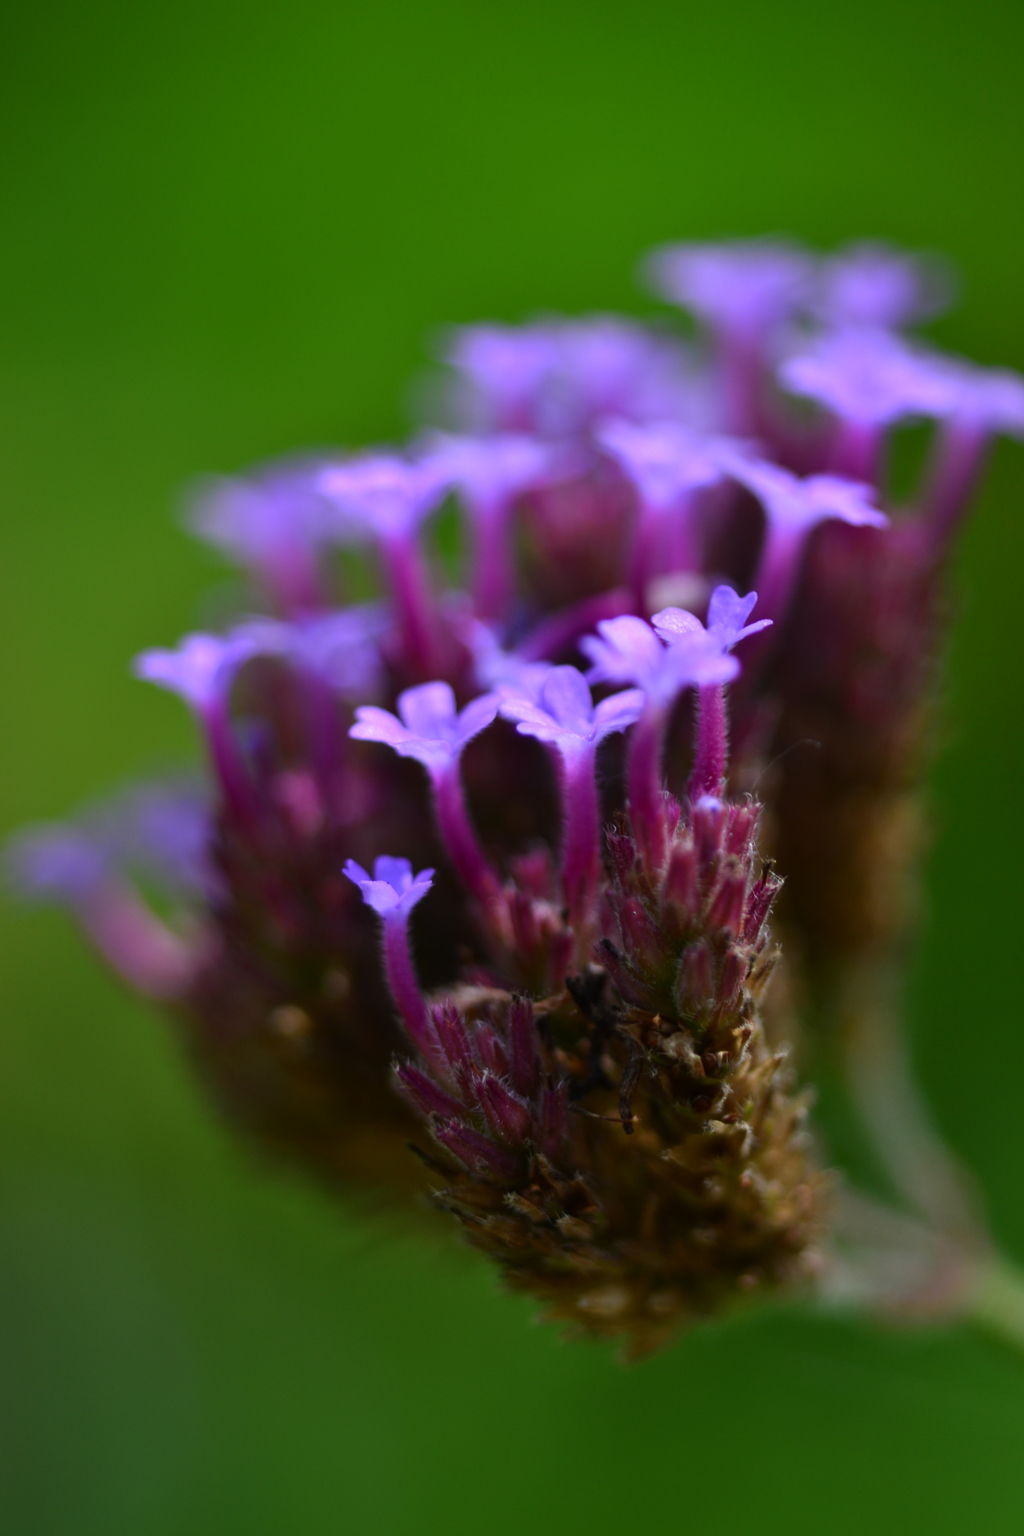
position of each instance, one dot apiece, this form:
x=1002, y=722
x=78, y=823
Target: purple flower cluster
x=562, y=746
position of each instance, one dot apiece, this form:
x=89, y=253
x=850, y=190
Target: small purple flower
x=497, y=668
x=56, y=862
x=342, y=647
x=795, y=505
x=869, y=377
x=667, y=465
x=491, y=473
x=392, y=890
x=388, y=498
x=747, y=284
x=991, y=399
x=504, y=368
x=491, y=469
x=564, y=714
x=275, y=522
x=163, y=829
x=68, y=864
x=627, y=649
x=202, y=667
x=565, y=717
x=429, y=728
x=726, y=624
x=982, y=402
x=792, y=507
x=873, y=285
x=611, y=367
x=434, y=733
x=384, y=495
x=664, y=459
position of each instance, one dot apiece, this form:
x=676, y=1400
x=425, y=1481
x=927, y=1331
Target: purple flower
x=275, y=522
x=69, y=864
x=491, y=473
x=627, y=649
x=497, y=668
x=56, y=862
x=493, y=469
x=202, y=668
x=664, y=459
x=383, y=494
x=990, y=399
x=611, y=367
x=163, y=830
x=504, y=368
x=873, y=285
x=434, y=733
x=392, y=890
x=794, y=505
x=746, y=284
x=557, y=377
x=429, y=728
x=565, y=715
x=727, y=619
x=342, y=647
x=869, y=377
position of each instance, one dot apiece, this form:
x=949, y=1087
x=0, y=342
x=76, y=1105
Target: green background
x=228, y=230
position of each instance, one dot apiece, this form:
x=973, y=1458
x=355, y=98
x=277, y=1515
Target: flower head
x=275, y=522
x=202, y=668
x=664, y=459
x=504, y=368
x=746, y=284
x=794, y=504
x=869, y=376
x=494, y=469
x=56, y=862
x=382, y=494
x=990, y=399
x=392, y=890
x=565, y=715
x=428, y=726
x=873, y=285
x=727, y=620
x=627, y=649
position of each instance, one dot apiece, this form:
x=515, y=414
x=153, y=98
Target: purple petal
x=197, y=670
x=55, y=862
x=618, y=713
x=373, y=724
x=476, y=717
x=870, y=377
x=393, y=890
x=566, y=697
x=386, y=495
x=676, y=624
x=429, y=711
x=662, y=458
x=492, y=469
x=747, y=283
x=498, y=668
x=873, y=285
x=795, y=504
x=627, y=651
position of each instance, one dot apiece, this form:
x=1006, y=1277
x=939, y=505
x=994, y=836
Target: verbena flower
x=562, y=1013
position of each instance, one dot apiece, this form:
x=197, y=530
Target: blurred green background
x=228, y=230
